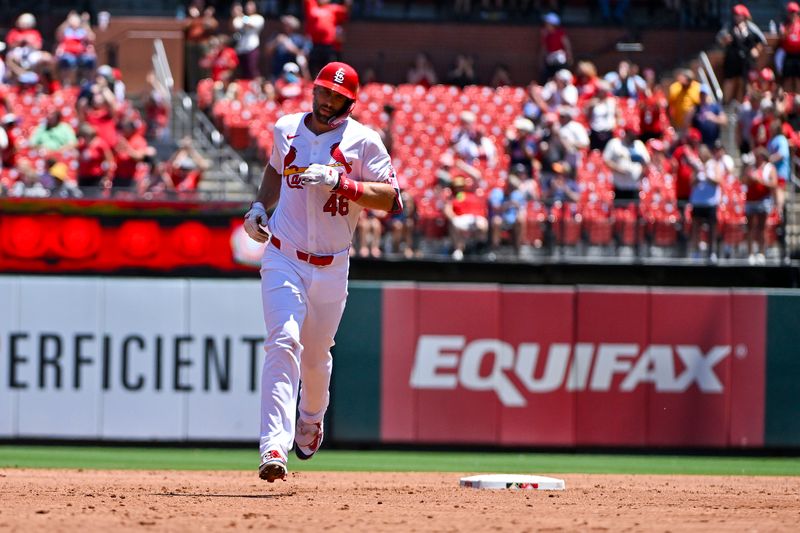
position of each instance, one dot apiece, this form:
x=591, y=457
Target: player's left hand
x=317, y=174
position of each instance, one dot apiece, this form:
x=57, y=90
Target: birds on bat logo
x=292, y=172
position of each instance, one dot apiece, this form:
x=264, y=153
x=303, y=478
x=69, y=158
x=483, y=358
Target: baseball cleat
x=273, y=466
x=307, y=439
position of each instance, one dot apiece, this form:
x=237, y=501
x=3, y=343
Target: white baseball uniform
x=303, y=302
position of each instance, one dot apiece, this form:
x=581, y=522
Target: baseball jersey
x=311, y=217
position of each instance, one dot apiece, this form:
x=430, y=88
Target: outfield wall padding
x=473, y=364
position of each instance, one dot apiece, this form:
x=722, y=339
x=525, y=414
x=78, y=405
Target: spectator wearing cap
x=130, y=150
x=520, y=144
x=469, y=142
x=289, y=86
x=24, y=56
x=653, y=118
x=467, y=213
x=248, y=23
x=95, y=161
x=556, y=48
x=790, y=45
x=184, y=170
x=507, y=212
x=98, y=107
x=561, y=186
x=288, y=46
x=54, y=134
x=627, y=157
x=570, y=137
x=625, y=82
x=708, y=117
x=762, y=123
x=602, y=114
x=704, y=199
x=556, y=92
x=743, y=41
x=687, y=163
x=683, y=97
x=422, y=72
x=760, y=178
x=75, y=53
x=322, y=20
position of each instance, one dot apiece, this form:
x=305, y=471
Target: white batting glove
x=254, y=220
x=317, y=174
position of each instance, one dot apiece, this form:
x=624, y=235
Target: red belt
x=311, y=259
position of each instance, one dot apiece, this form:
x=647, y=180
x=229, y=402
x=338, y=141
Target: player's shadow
x=252, y=496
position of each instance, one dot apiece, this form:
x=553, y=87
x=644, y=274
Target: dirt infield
x=72, y=500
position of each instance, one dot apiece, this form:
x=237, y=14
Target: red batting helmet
x=793, y=7
x=339, y=77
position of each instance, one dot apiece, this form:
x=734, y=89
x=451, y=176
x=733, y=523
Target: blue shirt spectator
x=779, y=155
x=708, y=117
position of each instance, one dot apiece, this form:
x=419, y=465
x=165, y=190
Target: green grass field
x=147, y=458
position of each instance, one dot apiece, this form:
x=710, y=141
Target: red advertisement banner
x=566, y=367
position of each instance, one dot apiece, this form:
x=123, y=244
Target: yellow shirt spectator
x=684, y=96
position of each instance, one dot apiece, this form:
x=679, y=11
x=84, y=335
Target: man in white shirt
x=324, y=169
x=571, y=135
x=248, y=25
x=627, y=158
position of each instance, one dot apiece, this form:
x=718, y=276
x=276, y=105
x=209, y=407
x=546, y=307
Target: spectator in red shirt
x=99, y=108
x=759, y=131
x=130, y=150
x=184, y=170
x=653, y=117
x=467, y=213
x=790, y=43
x=221, y=60
x=322, y=19
x=556, y=49
x=75, y=51
x=761, y=179
x=586, y=80
x=687, y=162
x=24, y=44
x=95, y=160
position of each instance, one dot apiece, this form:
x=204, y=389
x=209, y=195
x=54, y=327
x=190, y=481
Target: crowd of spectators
x=68, y=127
x=625, y=161
x=622, y=161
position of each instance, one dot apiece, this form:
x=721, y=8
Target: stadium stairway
x=230, y=177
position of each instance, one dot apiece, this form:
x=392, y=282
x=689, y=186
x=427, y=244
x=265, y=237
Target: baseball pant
x=303, y=305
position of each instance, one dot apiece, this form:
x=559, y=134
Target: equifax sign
x=448, y=361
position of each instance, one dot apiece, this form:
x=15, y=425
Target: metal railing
x=707, y=76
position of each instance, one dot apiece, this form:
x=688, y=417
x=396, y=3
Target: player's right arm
x=255, y=220
x=270, y=189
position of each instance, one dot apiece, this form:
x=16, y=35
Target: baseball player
x=324, y=169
